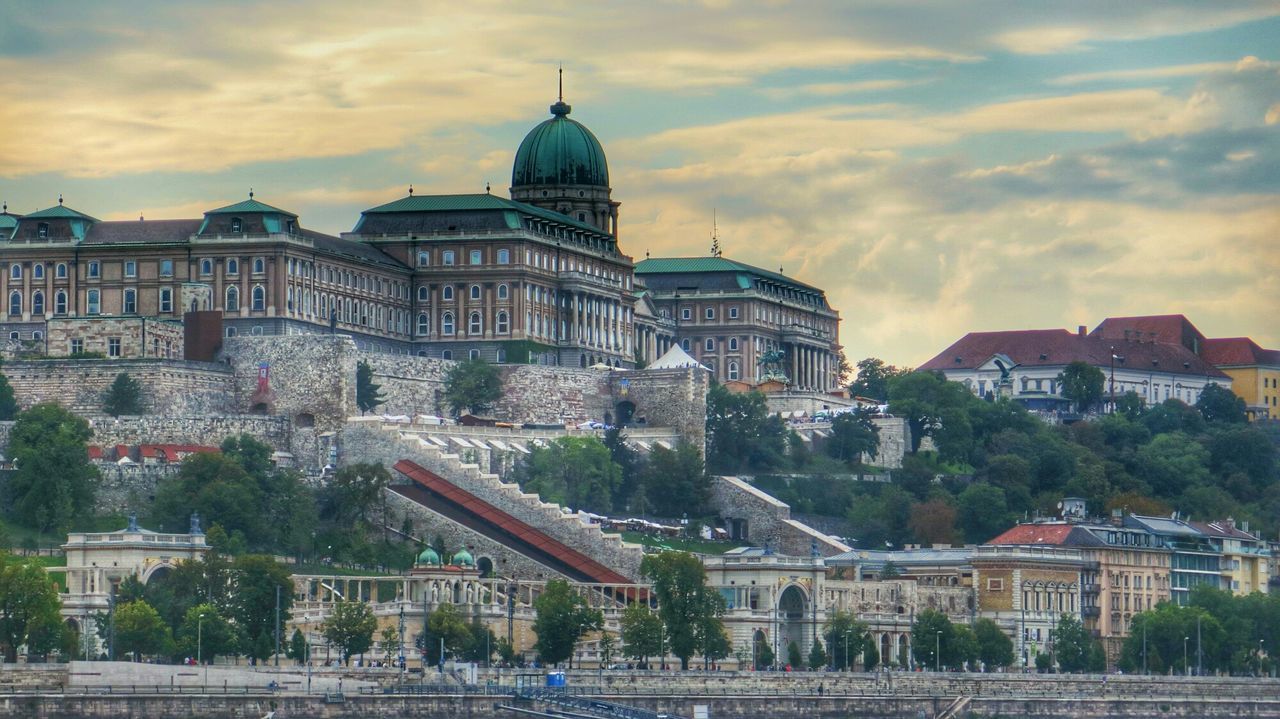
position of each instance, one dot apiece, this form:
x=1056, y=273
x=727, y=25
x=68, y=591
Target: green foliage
x=995, y=648
x=576, y=472
x=29, y=604
x=368, y=395
x=562, y=617
x=873, y=379
x=931, y=633
x=846, y=637
x=741, y=434
x=474, y=385
x=929, y=403
x=353, y=492
x=1171, y=640
x=764, y=654
x=205, y=633
x=983, y=512
x=124, y=396
x=54, y=482
x=1218, y=404
x=852, y=435
x=349, y=627
x=1071, y=644
x=964, y=649
x=690, y=609
x=795, y=659
x=297, y=649
x=139, y=630
x=1044, y=663
x=1082, y=383
x=677, y=481
x=642, y=633
x=881, y=520
x=8, y=404
x=446, y=622
x=253, y=601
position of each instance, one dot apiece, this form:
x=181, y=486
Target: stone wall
x=666, y=398
x=761, y=519
x=136, y=337
x=553, y=395
x=312, y=378
x=411, y=385
x=169, y=387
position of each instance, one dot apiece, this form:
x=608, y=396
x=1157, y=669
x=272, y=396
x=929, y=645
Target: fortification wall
x=169, y=387
x=312, y=378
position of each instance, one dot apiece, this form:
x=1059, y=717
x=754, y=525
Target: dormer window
x=237, y=225
x=42, y=230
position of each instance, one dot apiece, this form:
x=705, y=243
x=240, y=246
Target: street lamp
x=200, y=646
x=937, y=651
x=848, y=665
x=1185, y=669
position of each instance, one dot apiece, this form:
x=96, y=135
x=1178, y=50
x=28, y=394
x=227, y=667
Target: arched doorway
x=792, y=610
x=485, y=565
x=624, y=411
x=759, y=642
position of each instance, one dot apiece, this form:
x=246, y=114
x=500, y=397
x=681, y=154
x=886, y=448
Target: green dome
x=560, y=151
x=462, y=558
x=429, y=557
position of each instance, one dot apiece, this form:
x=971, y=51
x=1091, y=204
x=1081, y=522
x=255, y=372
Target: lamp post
x=1185, y=669
x=1199, y=652
x=937, y=651
x=662, y=646
x=1260, y=657
x=848, y=665
x=200, y=647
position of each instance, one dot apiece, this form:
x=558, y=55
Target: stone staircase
x=371, y=439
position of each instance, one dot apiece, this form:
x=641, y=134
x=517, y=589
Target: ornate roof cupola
x=54, y=224
x=249, y=217
x=561, y=166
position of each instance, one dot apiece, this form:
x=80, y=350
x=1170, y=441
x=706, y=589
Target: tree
x=607, y=647
x=963, y=650
x=353, y=492
x=846, y=638
x=817, y=657
x=933, y=522
x=139, y=630
x=853, y=434
x=1173, y=462
x=873, y=379
x=205, y=633
x=1071, y=644
x=368, y=395
x=390, y=640
x=1130, y=405
x=983, y=512
x=473, y=384
x=350, y=627
x=561, y=618
x=741, y=434
x=689, y=608
x=28, y=601
x=124, y=396
x=258, y=580
x=53, y=482
x=8, y=404
x=795, y=659
x=298, y=650
x=1220, y=405
x=763, y=652
x=677, y=481
x=995, y=648
x=642, y=633
x=575, y=472
x=931, y=633
x=446, y=623
x=925, y=400
x=1082, y=383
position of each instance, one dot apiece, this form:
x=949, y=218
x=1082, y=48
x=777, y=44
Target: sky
x=937, y=167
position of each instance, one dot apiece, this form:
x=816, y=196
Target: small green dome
x=560, y=151
x=429, y=557
x=462, y=558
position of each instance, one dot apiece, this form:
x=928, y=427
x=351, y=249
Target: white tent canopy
x=676, y=358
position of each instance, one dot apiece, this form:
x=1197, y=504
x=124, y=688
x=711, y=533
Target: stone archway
x=623, y=412
x=793, y=609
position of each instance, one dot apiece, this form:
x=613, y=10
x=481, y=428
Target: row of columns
x=600, y=322
x=810, y=368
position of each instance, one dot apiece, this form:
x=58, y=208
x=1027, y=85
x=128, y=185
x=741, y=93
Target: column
x=573, y=325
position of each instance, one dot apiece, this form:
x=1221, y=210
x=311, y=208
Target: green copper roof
x=560, y=151
x=462, y=558
x=60, y=212
x=689, y=265
x=477, y=203
x=248, y=206
x=7, y=221
x=429, y=557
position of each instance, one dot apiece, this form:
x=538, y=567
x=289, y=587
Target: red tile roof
x=1061, y=535
x=1051, y=348
x=1237, y=352
x=1164, y=329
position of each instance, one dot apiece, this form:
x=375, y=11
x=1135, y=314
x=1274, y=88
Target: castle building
x=539, y=277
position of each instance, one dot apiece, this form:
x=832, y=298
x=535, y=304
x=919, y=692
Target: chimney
x=1117, y=517
x=1080, y=330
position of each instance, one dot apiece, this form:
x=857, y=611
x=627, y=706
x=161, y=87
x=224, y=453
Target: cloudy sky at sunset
x=938, y=167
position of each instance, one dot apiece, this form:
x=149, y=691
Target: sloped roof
x=1161, y=525
x=59, y=212
x=349, y=248
x=1237, y=352
x=1052, y=348
x=248, y=206
x=675, y=358
x=1053, y=535
x=1167, y=329
x=1223, y=528
x=693, y=265
x=473, y=203
x=141, y=231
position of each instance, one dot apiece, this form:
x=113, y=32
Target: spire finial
x=410, y=189
x=250, y=193
x=6, y=207
x=560, y=108
x=560, y=96
x=59, y=199
x=715, y=235
x=486, y=187
x=140, y=217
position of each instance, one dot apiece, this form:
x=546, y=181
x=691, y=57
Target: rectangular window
x=995, y=585
x=711, y=313
x=686, y=314
x=77, y=346
x=733, y=313
x=113, y=346
x=166, y=268
x=476, y=257
x=130, y=268
x=95, y=270
x=447, y=257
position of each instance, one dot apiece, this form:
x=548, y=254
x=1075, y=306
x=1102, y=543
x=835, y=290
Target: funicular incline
x=458, y=505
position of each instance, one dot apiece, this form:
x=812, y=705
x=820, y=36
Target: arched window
x=475, y=325
x=446, y=355
x=130, y=301
x=259, y=265
x=504, y=292
x=237, y=225
x=424, y=324
x=37, y=303
x=166, y=300
x=504, y=257
x=710, y=345
x=37, y=272
x=733, y=344
x=288, y=293
x=685, y=345
x=475, y=292
x=15, y=303
x=424, y=258
x=476, y=257
x=60, y=271
x=233, y=298
x=206, y=267
x=504, y=323
x=15, y=271
x=60, y=303
x=259, y=298
x=93, y=302
x=447, y=292
x=473, y=354
x=446, y=323
x=733, y=370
